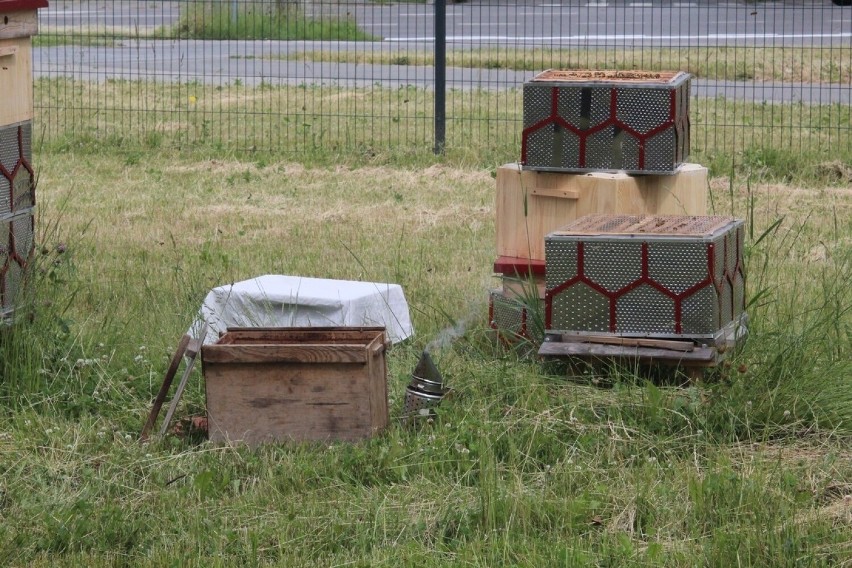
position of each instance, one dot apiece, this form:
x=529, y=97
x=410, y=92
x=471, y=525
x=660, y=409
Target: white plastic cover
x=296, y=301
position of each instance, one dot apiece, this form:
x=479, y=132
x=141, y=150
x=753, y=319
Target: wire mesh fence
x=355, y=76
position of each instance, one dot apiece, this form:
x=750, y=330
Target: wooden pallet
x=692, y=359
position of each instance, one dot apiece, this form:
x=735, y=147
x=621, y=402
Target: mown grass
x=53, y=38
x=787, y=64
x=373, y=124
x=260, y=20
x=528, y=464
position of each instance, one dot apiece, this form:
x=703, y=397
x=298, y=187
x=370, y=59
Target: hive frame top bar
x=645, y=226
x=579, y=77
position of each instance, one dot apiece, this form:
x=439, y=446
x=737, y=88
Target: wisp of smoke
x=447, y=335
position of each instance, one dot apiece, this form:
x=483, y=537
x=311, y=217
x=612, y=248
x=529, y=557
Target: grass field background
x=528, y=464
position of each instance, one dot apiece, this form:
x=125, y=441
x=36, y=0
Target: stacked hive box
x=649, y=276
x=593, y=142
x=18, y=22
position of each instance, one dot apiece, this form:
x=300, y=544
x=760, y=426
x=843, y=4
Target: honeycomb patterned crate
x=17, y=200
x=619, y=121
x=646, y=276
x=16, y=245
x=17, y=180
x=512, y=318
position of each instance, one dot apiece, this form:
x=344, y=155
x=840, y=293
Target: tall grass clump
x=261, y=20
x=37, y=335
x=795, y=373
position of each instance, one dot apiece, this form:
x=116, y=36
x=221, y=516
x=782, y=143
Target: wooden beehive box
x=301, y=384
x=531, y=204
x=18, y=23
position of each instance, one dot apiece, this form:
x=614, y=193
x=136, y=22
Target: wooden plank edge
x=303, y=353
x=701, y=356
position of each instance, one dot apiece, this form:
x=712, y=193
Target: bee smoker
x=425, y=391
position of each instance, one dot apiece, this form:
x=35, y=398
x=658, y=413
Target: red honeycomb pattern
x=727, y=278
x=10, y=251
x=555, y=119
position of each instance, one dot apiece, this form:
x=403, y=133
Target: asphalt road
x=408, y=26
x=657, y=22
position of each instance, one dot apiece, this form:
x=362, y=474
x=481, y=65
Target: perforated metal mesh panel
x=27, y=141
x=719, y=258
x=9, y=154
x=23, y=191
x=541, y=141
x=645, y=310
x=602, y=256
x=581, y=308
x=629, y=154
x=569, y=103
x=22, y=229
x=5, y=196
x=643, y=109
x=9, y=150
x=679, y=265
x=510, y=316
x=16, y=181
x=700, y=312
x=598, y=151
x=561, y=261
x=537, y=104
x=17, y=198
x=646, y=275
x=658, y=154
x=5, y=244
x=621, y=122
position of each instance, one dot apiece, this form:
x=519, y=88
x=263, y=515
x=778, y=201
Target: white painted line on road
x=487, y=24
x=536, y=11
x=597, y=5
x=619, y=37
x=49, y=14
x=685, y=4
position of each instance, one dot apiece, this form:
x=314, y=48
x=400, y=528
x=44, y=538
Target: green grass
x=528, y=464
x=53, y=38
x=260, y=20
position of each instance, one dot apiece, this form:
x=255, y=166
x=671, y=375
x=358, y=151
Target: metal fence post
x=440, y=75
